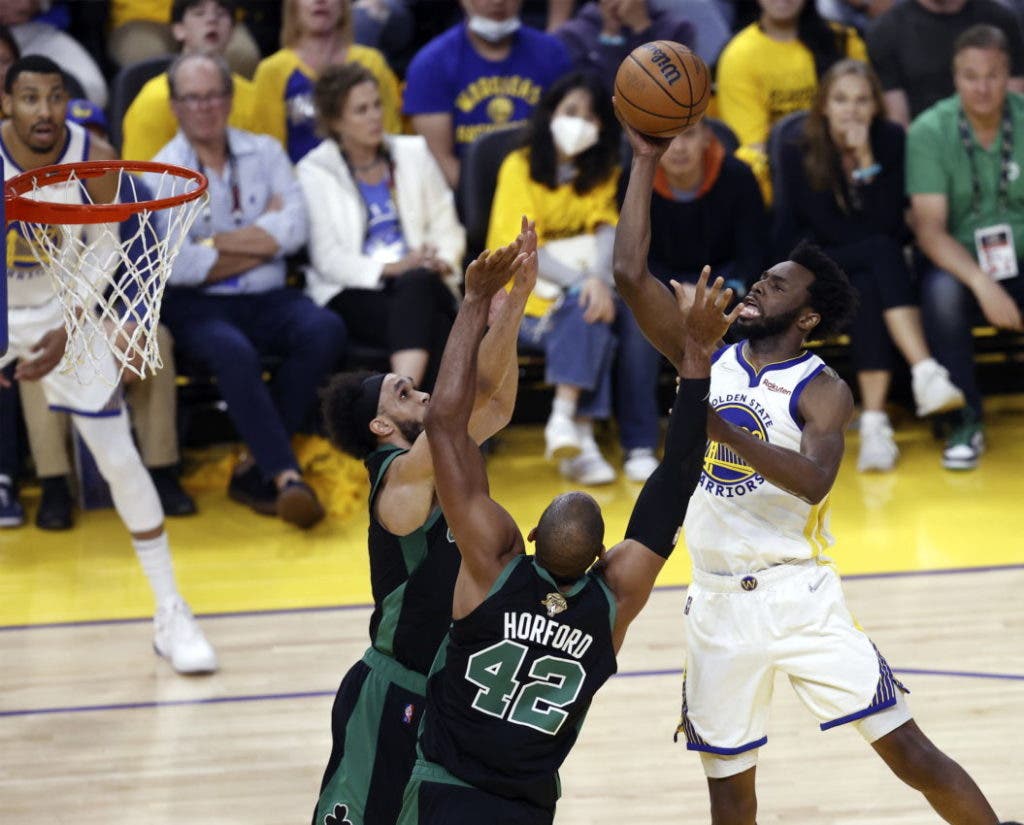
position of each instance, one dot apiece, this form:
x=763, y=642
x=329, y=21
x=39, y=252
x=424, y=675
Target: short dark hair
x=982, y=36
x=348, y=431
x=832, y=295
x=179, y=7
x=570, y=535
x=332, y=90
x=216, y=59
x=35, y=63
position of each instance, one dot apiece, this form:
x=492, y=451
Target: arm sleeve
x=661, y=506
x=269, y=117
x=605, y=235
x=512, y=200
x=289, y=225
x=926, y=173
x=551, y=269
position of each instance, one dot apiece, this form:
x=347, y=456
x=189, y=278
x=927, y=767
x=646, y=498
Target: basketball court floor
x=94, y=728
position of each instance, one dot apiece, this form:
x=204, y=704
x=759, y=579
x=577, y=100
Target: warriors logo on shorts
x=721, y=463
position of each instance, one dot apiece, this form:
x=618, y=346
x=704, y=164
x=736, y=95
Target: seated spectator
x=199, y=27
x=9, y=52
x=144, y=29
x=842, y=188
x=963, y=160
x=706, y=210
x=384, y=236
x=483, y=74
x=386, y=25
x=565, y=178
x=914, y=68
x=771, y=68
x=315, y=34
x=227, y=304
x=601, y=34
x=36, y=36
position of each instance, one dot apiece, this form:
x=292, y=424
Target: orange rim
x=20, y=208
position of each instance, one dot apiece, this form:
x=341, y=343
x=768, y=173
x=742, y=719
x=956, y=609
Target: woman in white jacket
x=385, y=244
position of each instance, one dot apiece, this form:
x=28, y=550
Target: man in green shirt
x=964, y=158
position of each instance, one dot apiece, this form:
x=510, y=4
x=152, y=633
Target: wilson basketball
x=662, y=88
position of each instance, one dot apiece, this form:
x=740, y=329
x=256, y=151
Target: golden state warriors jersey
x=738, y=521
x=28, y=285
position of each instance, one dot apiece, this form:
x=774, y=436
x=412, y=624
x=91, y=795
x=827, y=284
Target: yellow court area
x=97, y=730
x=920, y=517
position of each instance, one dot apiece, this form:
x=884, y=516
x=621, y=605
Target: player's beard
x=767, y=326
x=410, y=430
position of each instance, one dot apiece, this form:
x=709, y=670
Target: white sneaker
x=177, y=638
x=589, y=467
x=933, y=391
x=561, y=440
x=878, y=450
x=639, y=464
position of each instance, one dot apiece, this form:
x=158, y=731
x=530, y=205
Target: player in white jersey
x=764, y=599
x=35, y=134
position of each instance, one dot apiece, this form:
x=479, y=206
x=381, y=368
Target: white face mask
x=493, y=31
x=573, y=135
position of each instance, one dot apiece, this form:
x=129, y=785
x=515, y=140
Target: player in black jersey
x=534, y=637
x=413, y=559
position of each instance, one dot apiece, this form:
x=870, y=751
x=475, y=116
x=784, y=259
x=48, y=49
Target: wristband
x=867, y=173
x=611, y=39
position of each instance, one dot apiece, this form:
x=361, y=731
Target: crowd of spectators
x=335, y=133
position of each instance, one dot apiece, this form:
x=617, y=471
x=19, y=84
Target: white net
x=110, y=277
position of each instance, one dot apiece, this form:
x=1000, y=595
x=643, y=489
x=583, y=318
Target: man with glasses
x=227, y=304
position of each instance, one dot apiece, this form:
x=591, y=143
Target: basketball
x=662, y=88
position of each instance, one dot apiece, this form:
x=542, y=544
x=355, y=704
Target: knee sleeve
x=110, y=442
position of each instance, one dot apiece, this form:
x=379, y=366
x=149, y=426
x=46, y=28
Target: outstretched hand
x=492, y=270
x=705, y=320
x=525, y=277
x=643, y=145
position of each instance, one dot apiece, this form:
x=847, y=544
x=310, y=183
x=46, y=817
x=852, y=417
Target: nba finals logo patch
x=339, y=816
x=726, y=474
x=555, y=603
x=408, y=713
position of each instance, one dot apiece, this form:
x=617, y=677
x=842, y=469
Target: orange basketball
x=662, y=88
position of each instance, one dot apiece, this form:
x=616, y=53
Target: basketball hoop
x=109, y=262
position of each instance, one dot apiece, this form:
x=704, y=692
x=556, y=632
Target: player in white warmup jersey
x=36, y=134
x=764, y=598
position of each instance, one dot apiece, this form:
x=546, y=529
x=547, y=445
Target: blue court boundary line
x=329, y=608
x=320, y=694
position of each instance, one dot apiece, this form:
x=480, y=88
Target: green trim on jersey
x=397, y=451
x=613, y=605
x=578, y=585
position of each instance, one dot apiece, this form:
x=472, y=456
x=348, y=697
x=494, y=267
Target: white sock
x=872, y=419
x=155, y=557
x=585, y=429
x=925, y=367
x=563, y=406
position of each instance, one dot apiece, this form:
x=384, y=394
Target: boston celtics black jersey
x=511, y=687
x=413, y=579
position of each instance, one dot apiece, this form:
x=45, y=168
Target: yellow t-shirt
x=559, y=213
x=121, y=11
x=284, y=88
x=759, y=81
x=149, y=122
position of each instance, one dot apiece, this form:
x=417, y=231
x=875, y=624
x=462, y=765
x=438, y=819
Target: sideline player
x=764, y=598
x=36, y=134
x=413, y=559
x=534, y=637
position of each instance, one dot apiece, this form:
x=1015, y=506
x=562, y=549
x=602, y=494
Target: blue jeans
x=949, y=310
x=228, y=335
x=585, y=355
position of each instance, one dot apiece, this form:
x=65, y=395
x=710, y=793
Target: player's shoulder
x=99, y=149
x=826, y=391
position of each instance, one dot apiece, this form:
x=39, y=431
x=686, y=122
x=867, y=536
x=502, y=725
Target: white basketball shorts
x=741, y=630
x=26, y=325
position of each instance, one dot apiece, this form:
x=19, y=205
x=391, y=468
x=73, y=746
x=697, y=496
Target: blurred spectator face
x=204, y=28
x=320, y=16
x=981, y=77
x=849, y=101
x=13, y=12
x=201, y=103
x=781, y=11
x=7, y=57
x=491, y=9
x=685, y=154
x=361, y=122
x=36, y=106
x=574, y=125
